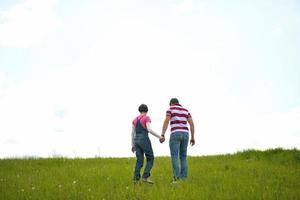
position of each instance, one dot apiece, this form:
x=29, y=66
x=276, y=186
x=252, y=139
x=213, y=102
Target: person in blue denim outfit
x=141, y=144
x=178, y=117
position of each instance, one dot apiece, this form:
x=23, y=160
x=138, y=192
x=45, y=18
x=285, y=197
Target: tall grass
x=271, y=174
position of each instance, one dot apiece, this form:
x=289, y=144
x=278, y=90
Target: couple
x=141, y=144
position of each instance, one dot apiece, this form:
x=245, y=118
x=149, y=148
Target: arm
x=148, y=124
x=165, y=125
x=190, y=121
x=132, y=139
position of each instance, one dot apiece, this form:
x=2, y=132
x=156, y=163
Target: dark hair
x=143, y=108
x=173, y=101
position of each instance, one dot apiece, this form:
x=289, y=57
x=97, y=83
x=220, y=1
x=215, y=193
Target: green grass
x=272, y=174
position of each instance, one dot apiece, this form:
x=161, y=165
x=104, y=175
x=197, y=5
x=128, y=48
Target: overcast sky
x=73, y=73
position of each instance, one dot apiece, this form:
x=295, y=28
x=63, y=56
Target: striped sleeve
x=168, y=113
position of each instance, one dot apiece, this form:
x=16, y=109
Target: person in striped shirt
x=179, y=117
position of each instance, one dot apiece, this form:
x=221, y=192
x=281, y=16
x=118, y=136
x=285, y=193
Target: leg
x=174, y=149
x=183, y=154
x=150, y=157
x=139, y=162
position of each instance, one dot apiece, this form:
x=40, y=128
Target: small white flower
x=33, y=188
x=74, y=182
x=127, y=187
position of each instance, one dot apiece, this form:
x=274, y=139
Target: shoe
x=136, y=180
x=174, y=180
x=147, y=180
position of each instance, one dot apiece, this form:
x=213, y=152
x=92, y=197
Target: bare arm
x=190, y=121
x=165, y=125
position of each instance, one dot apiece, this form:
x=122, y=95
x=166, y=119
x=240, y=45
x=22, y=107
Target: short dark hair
x=173, y=101
x=143, y=108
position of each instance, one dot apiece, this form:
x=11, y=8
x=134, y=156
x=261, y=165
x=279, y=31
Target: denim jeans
x=143, y=146
x=178, y=147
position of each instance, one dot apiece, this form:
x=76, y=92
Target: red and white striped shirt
x=179, y=116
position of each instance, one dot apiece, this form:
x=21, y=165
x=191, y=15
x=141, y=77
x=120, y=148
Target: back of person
x=179, y=117
x=140, y=126
x=141, y=144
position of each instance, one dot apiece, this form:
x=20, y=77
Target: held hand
x=133, y=149
x=192, y=141
x=161, y=139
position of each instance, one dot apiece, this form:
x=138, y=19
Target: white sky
x=72, y=75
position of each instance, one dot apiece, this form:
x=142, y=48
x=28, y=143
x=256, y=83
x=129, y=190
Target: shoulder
x=169, y=111
x=134, y=120
x=178, y=108
x=147, y=119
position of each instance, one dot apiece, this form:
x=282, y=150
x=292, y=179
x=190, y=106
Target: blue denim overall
x=142, y=146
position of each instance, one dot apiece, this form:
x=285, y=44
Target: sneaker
x=147, y=180
x=136, y=180
x=174, y=180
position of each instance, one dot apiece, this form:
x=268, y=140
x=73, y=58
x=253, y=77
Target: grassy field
x=272, y=174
